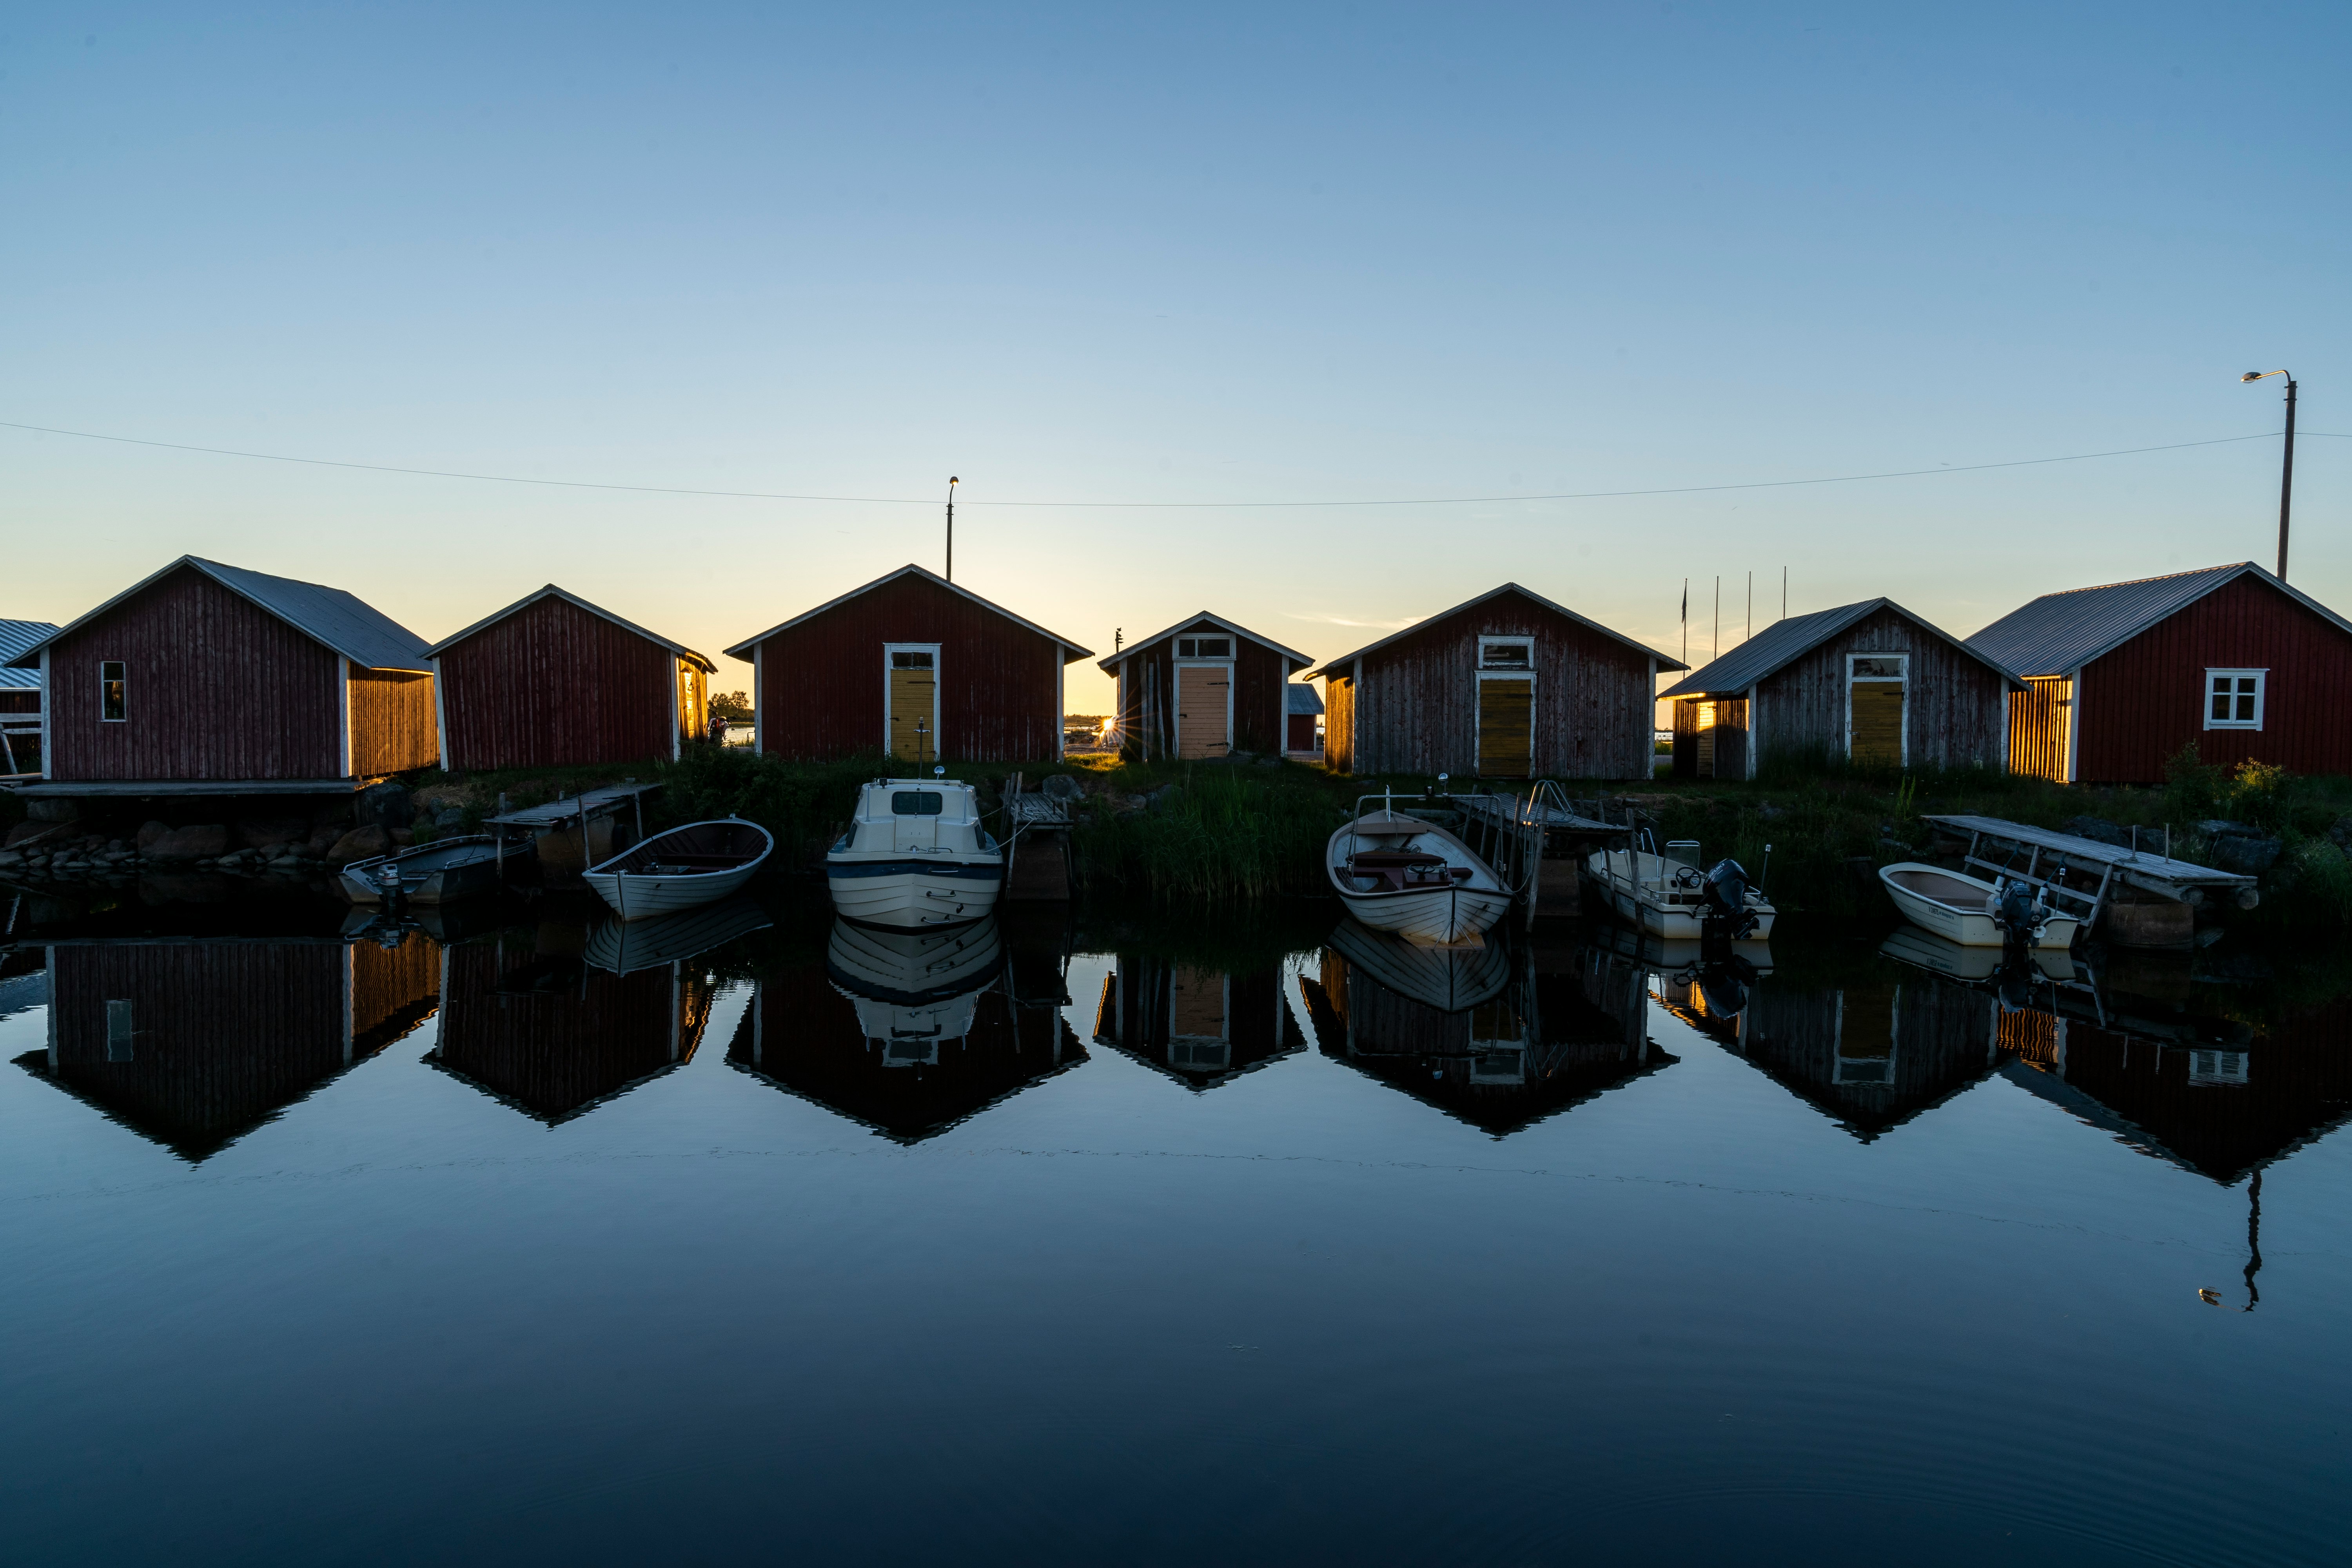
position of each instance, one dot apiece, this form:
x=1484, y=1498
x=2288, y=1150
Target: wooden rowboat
x=1400, y=874
x=700, y=863
x=1960, y=908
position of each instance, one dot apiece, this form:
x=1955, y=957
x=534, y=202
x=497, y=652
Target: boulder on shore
x=253, y=834
x=204, y=842
x=385, y=806
x=359, y=844
x=23, y=830
x=149, y=831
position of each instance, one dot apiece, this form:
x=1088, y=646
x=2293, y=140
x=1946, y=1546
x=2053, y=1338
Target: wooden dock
x=565, y=829
x=1996, y=846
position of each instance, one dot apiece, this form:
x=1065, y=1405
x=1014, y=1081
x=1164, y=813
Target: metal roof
x=578, y=603
x=23, y=637
x=1783, y=642
x=1111, y=665
x=1665, y=661
x=358, y=631
x=1071, y=652
x=1302, y=698
x=2060, y=633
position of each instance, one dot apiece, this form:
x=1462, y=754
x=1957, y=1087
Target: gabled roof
x=1666, y=661
x=1783, y=642
x=1071, y=652
x=22, y=637
x=1303, y=699
x=342, y=623
x=2058, y=633
x=577, y=602
x=1111, y=665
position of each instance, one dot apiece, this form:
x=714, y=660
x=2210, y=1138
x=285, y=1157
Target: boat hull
x=636, y=896
x=903, y=894
x=474, y=873
x=1967, y=927
x=1434, y=916
x=1648, y=911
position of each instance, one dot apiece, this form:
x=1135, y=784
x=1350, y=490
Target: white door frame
x=1904, y=679
x=1227, y=664
x=1477, y=740
x=933, y=649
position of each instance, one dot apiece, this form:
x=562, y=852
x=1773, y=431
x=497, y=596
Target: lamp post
x=2286, y=471
x=952, y=482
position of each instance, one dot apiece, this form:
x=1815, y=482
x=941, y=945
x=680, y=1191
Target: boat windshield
x=917, y=803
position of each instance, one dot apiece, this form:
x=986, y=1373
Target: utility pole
x=952, y=482
x=2286, y=468
x=1715, y=637
x=1784, y=593
x=1751, y=608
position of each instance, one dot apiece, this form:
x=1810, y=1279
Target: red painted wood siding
x=218, y=688
x=2143, y=703
x=1955, y=707
x=1260, y=676
x=1417, y=702
x=552, y=685
x=999, y=682
x=391, y=722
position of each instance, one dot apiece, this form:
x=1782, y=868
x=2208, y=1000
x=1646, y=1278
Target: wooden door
x=1197, y=1027
x=1877, y=718
x=1202, y=710
x=1707, y=740
x=914, y=708
x=1506, y=728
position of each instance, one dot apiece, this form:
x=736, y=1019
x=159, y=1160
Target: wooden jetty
x=575, y=832
x=1998, y=847
x=1536, y=841
x=1036, y=843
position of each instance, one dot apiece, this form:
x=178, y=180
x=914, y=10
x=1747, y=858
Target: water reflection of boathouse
x=530, y=1021
x=1545, y=1031
x=1200, y=1026
x=912, y=1032
x=193, y=1042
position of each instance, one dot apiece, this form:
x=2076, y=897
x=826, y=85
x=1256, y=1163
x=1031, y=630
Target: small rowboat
x=700, y=863
x=438, y=873
x=1403, y=875
x=1963, y=908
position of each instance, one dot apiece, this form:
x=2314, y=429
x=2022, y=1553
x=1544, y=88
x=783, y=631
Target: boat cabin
x=908, y=815
x=1204, y=687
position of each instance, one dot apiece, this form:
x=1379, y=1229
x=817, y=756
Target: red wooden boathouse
x=1206, y=687
x=912, y=665
x=552, y=679
x=2123, y=675
x=1870, y=681
x=1509, y=685
x=210, y=679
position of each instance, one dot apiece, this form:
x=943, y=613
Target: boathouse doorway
x=1200, y=1011
x=1204, y=697
x=911, y=701
x=1875, y=728
x=1506, y=700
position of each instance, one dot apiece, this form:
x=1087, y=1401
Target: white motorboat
x=1398, y=873
x=438, y=873
x=914, y=857
x=700, y=863
x=1674, y=899
x=1965, y=909
x=914, y=989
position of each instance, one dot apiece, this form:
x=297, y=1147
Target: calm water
x=1151, y=1242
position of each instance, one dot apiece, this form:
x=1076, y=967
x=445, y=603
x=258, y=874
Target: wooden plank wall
x=2143, y=703
x=1955, y=707
x=218, y=688
x=1941, y=1037
x=2038, y=722
x=999, y=681
x=1258, y=696
x=1593, y=701
x=553, y=686
x=393, y=989
x=1134, y=1012
x=564, y=1035
x=393, y=725
x=1339, y=723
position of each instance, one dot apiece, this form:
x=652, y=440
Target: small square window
x=113, y=692
x=1507, y=652
x=2233, y=699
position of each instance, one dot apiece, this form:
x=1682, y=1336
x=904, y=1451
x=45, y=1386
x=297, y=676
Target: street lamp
x=951, y=485
x=2286, y=473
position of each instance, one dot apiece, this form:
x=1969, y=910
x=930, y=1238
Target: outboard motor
x=2016, y=908
x=1725, y=891
x=388, y=884
x=1724, y=984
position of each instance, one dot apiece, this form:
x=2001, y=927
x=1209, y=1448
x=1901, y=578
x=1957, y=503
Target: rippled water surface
x=1245, y=1239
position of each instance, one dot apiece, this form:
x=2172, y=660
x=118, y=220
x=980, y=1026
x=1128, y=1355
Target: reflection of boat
x=1671, y=897
x=1400, y=874
x=1945, y=957
x=440, y=872
x=700, y=863
x=1676, y=955
x=1448, y=979
x=626, y=946
x=914, y=989
x=1959, y=909
x=914, y=857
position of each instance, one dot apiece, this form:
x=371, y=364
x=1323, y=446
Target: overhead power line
x=1146, y=505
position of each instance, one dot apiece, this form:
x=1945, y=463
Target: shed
x=210, y=679
x=20, y=695
x=1199, y=1026
x=2121, y=678
x=913, y=666
x=1206, y=687
x=1870, y=681
x=552, y=679
x=1870, y=1056
x=1509, y=685
x=1304, y=705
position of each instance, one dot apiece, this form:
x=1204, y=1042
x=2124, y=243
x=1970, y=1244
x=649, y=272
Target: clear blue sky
x=1202, y=253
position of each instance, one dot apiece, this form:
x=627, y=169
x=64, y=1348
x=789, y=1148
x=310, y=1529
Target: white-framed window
x=1875, y=666
x=113, y=692
x=1204, y=647
x=2233, y=699
x=2224, y=1068
x=1507, y=652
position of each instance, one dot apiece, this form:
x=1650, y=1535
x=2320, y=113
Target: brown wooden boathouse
x=1204, y=687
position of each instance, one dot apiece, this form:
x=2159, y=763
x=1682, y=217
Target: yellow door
x=914, y=708
x=1505, y=716
x=1200, y=709
x=1197, y=1032
x=1877, y=721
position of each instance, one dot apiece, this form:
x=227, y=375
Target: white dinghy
x=1400, y=874
x=1971, y=912
x=700, y=863
x=914, y=857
